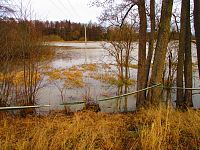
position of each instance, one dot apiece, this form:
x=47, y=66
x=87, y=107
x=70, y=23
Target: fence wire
x=100, y=100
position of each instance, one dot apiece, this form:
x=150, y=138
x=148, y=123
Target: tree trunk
x=151, y=40
x=197, y=29
x=141, y=54
x=181, y=52
x=188, y=58
x=160, y=51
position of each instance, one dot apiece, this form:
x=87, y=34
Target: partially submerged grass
x=110, y=78
x=89, y=67
x=146, y=129
x=71, y=79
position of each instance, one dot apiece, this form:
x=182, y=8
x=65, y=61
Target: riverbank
x=146, y=129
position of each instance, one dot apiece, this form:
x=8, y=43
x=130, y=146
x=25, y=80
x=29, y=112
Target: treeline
x=70, y=31
x=67, y=30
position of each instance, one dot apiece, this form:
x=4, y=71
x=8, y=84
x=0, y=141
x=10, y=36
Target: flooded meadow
x=97, y=74
x=78, y=73
x=87, y=72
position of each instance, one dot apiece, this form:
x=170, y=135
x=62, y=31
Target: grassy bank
x=146, y=129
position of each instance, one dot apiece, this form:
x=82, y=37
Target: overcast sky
x=56, y=10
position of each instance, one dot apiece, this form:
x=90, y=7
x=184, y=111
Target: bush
x=51, y=38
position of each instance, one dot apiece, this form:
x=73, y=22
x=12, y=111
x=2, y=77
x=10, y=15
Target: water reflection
x=72, y=54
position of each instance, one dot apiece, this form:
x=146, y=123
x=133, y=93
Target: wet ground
x=69, y=55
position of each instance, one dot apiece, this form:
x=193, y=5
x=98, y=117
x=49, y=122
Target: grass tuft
x=158, y=128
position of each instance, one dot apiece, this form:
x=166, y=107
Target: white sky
x=56, y=10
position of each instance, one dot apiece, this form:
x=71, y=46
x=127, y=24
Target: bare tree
x=197, y=29
x=5, y=9
x=141, y=54
x=188, y=58
x=151, y=40
x=184, y=68
x=21, y=51
x=121, y=40
x=160, y=51
x=181, y=56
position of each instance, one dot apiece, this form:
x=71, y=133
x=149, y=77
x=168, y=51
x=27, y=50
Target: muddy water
x=71, y=54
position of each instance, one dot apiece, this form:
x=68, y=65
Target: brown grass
x=146, y=129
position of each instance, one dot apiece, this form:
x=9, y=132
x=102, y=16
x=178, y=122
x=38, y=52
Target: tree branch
x=123, y=19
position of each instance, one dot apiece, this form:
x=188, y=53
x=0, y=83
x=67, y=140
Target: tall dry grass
x=147, y=129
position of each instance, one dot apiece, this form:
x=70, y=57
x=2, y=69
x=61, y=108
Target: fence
x=100, y=100
x=22, y=107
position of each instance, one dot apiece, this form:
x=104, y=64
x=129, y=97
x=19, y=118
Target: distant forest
x=67, y=30
x=70, y=31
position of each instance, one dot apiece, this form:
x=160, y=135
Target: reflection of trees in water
x=20, y=83
x=121, y=48
x=122, y=103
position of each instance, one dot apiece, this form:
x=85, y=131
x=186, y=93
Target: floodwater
x=70, y=54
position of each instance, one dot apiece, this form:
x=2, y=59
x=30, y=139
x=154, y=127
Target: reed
x=158, y=128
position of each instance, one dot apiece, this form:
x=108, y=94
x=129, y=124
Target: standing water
x=69, y=55
x=75, y=55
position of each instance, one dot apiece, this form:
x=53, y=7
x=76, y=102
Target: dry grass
x=89, y=67
x=146, y=129
x=110, y=78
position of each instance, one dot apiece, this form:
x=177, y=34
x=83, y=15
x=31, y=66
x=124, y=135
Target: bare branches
x=5, y=9
x=116, y=12
x=126, y=14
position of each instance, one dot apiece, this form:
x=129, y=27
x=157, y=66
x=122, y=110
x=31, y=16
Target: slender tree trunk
x=197, y=28
x=126, y=98
x=181, y=52
x=160, y=51
x=169, y=78
x=127, y=66
x=141, y=54
x=188, y=58
x=121, y=65
x=151, y=40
